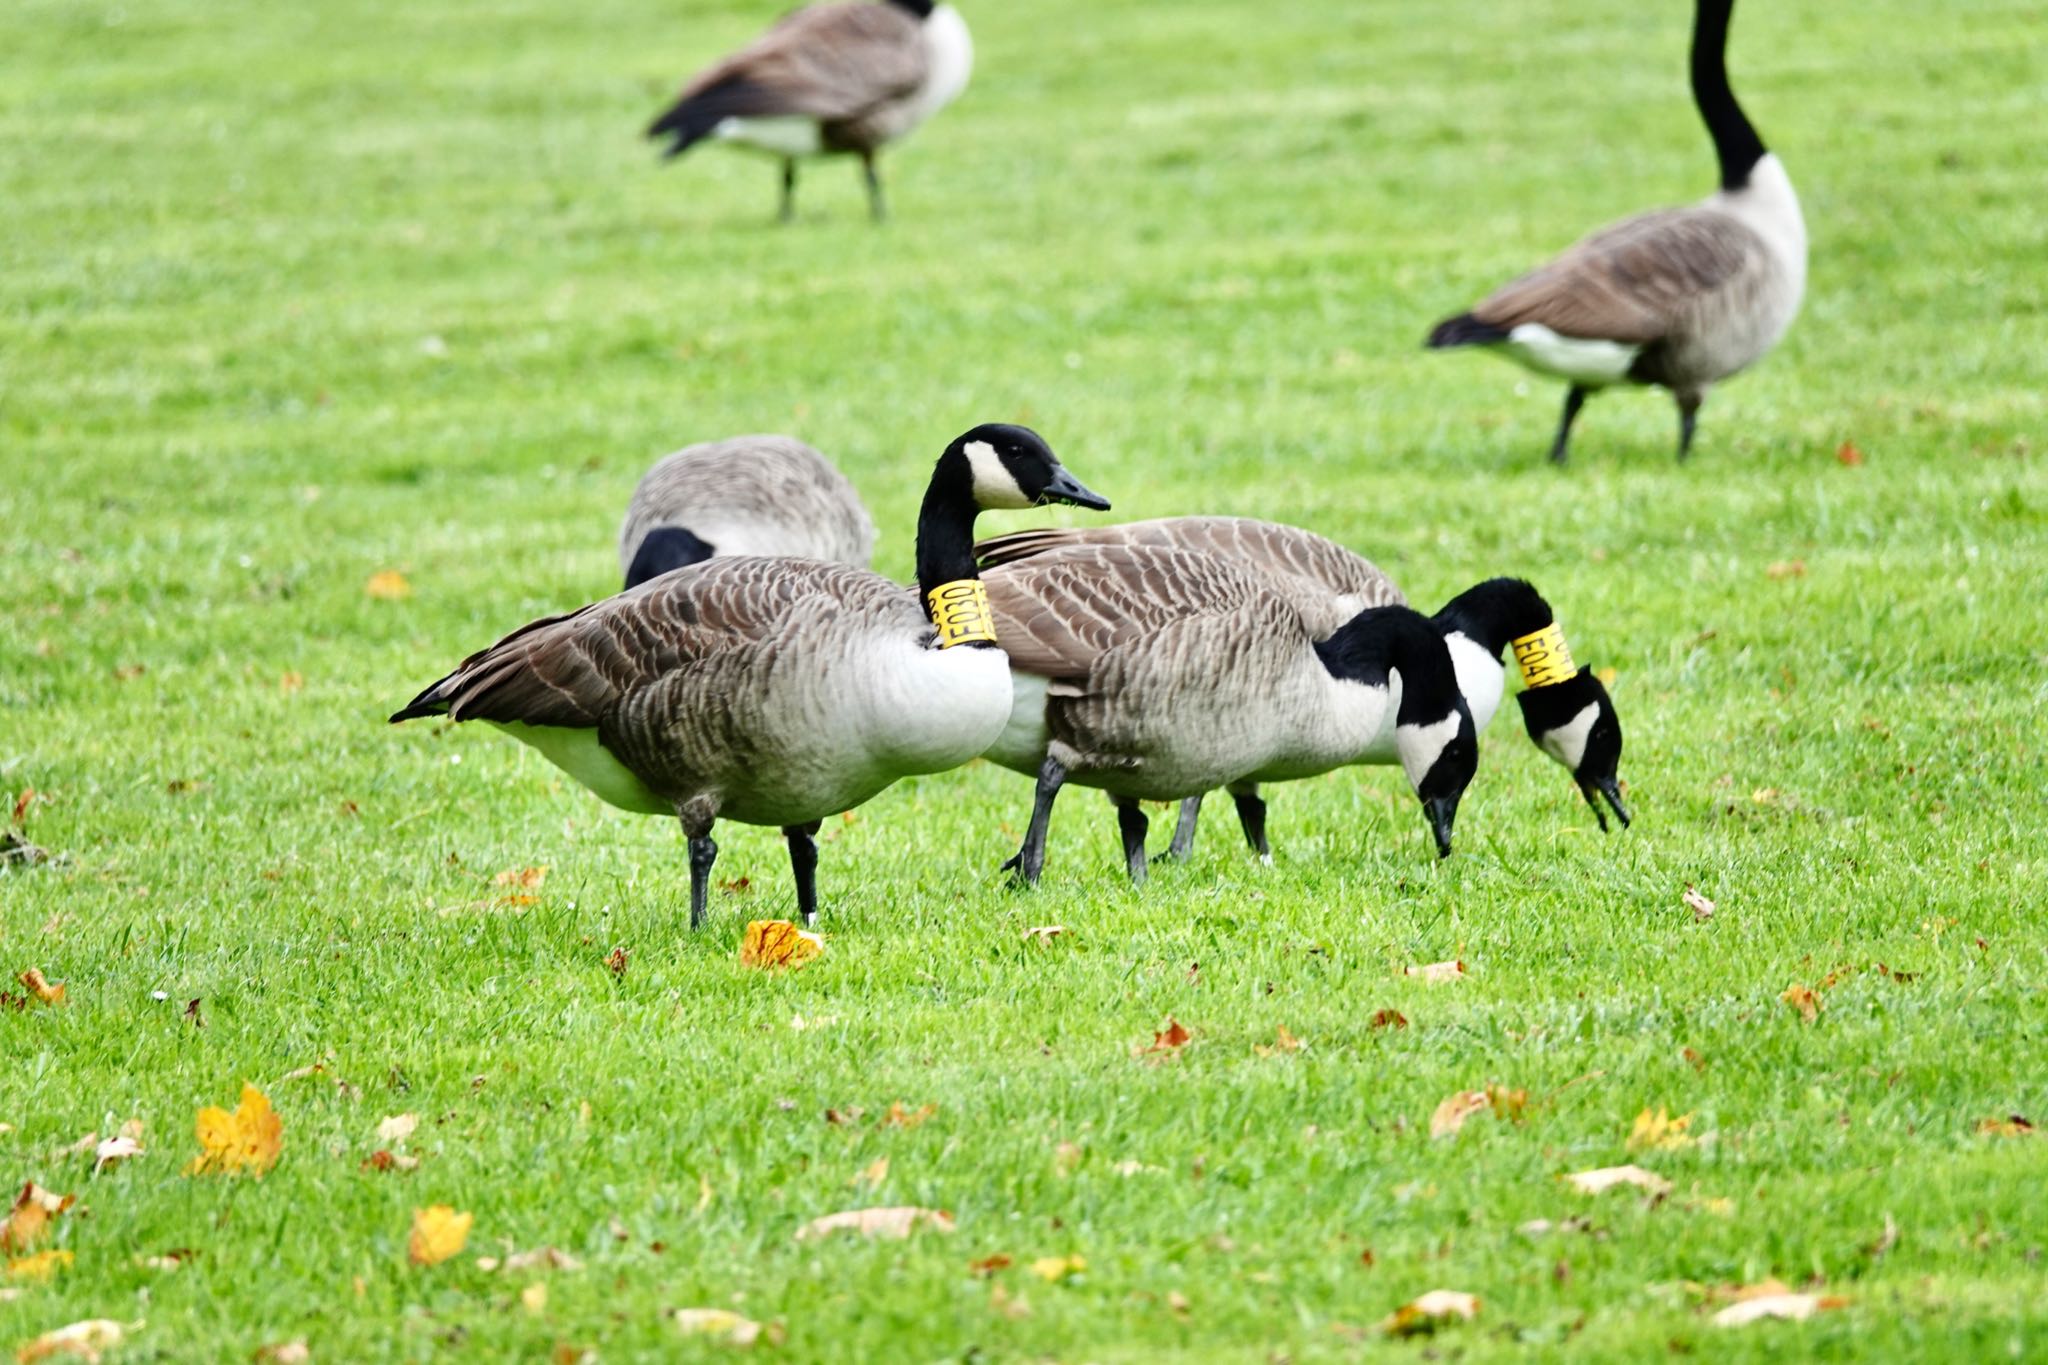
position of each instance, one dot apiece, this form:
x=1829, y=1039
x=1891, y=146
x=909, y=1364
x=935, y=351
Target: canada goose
x=1156, y=673
x=773, y=691
x=1568, y=714
x=1681, y=298
x=845, y=76
x=750, y=495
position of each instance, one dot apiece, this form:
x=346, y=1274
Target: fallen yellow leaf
x=29, y=1220
x=1701, y=907
x=1283, y=1041
x=388, y=585
x=1509, y=1106
x=1429, y=1312
x=2013, y=1125
x=725, y=1325
x=1436, y=973
x=397, y=1129
x=1804, y=999
x=891, y=1224
x=526, y=877
x=41, y=988
x=1053, y=1269
x=250, y=1139
x=535, y=1297
x=873, y=1174
x=86, y=1340
x=778, y=943
x=900, y=1117
x=1609, y=1177
x=1044, y=933
x=1795, y=1307
x=438, y=1232
x=1450, y=1116
x=1660, y=1132
x=41, y=1267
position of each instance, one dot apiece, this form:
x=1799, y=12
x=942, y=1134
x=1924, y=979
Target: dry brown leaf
x=1794, y=1307
x=989, y=1265
x=1701, y=907
x=873, y=1174
x=1065, y=1157
x=1660, y=1132
x=889, y=1224
x=1044, y=933
x=1787, y=568
x=1888, y=1240
x=1429, y=1312
x=1436, y=973
x=901, y=1117
x=384, y=1159
x=1804, y=999
x=85, y=1340
x=438, y=1232
x=1005, y=1304
x=250, y=1139
x=388, y=585
x=1393, y=1019
x=1609, y=1177
x=1053, y=1269
x=29, y=796
x=616, y=963
x=294, y=1352
x=1509, y=1106
x=778, y=943
x=2013, y=1125
x=722, y=1324
x=28, y=1222
x=1848, y=454
x=118, y=1148
x=1450, y=1115
x=1169, y=1039
x=41, y=988
x=41, y=1267
x=526, y=878
x=170, y=1260
x=541, y=1258
x=1283, y=1041
x=397, y=1128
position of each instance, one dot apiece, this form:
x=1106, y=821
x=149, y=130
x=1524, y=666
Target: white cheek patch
x=1567, y=743
x=1421, y=746
x=994, y=485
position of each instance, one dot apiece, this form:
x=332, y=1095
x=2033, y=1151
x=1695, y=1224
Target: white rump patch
x=994, y=484
x=1567, y=743
x=1481, y=676
x=1422, y=745
x=1592, y=364
x=781, y=134
x=579, y=754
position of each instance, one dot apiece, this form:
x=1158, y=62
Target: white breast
x=1567, y=743
x=951, y=50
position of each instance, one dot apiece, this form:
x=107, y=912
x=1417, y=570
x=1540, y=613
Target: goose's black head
x=1000, y=465
x=1574, y=722
x=1492, y=613
x=1433, y=730
x=921, y=8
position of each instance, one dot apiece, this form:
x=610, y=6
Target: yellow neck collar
x=960, y=613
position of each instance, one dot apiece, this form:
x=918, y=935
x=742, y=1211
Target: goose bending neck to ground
x=846, y=76
x=1155, y=673
x=1678, y=298
x=750, y=495
x=773, y=691
x=1567, y=712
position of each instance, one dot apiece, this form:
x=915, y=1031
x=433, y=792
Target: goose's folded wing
x=828, y=61
x=1627, y=283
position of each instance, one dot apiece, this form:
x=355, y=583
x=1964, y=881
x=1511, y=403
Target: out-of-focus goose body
x=749, y=495
x=845, y=76
x=772, y=691
x=1156, y=673
x=1680, y=298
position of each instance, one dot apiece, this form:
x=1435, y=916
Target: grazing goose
x=1680, y=298
x=1156, y=673
x=751, y=495
x=844, y=76
x=1568, y=715
x=773, y=691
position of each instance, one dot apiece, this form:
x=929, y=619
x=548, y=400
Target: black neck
x=1492, y=613
x=1735, y=140
x=945, y=527
x=1380, y=639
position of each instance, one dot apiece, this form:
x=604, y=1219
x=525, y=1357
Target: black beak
x=1066, y=488
x=1609, y=788
x=1443, y=810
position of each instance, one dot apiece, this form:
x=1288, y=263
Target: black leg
x=1030, y=859
x=1688, y=417
x=1251, y=814
x=1574, y=399
x=703, y=853
x=788, y=213
x=1132, y=824
x=803, y=863
x=878, y=209
x=1183, y=845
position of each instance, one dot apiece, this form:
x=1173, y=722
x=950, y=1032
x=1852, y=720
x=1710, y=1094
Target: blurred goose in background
x=848, y=76
x=1156, y=674
x=1566, y=712
x=750, y=495
x=773, y=691
x=1680, y=298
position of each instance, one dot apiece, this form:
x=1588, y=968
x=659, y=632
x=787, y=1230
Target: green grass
x=293, y=294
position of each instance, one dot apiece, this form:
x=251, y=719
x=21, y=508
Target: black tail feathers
x=1464, y=330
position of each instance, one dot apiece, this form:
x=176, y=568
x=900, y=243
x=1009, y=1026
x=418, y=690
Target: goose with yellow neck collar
x=773, y=691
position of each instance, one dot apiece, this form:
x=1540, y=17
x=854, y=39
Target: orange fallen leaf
x=2013, y=1125
x=873, y=1174
x=438, y=1232
x=1793, y=1307
x=1388, y=1019
x=1436, y=973
x=1701, y=907
x=1804, y=999
x=41, y=1267
x=85, y=1340
x=294, y=1352
x=1283, y=1041
x=28, y=1222
x=384, y=1159
x=29, y=796
x=989, y=1265
x=291, y=682
x=250, y=1139
x=1848, y=454
x=778, y=943
x=1053, y=1269
x=1170, y=1038
x=1450, y=1115
x=1611, y=1177
x=388, y=585
x=527, y=877
x=722, y=1324
x=1787, y=568
x=1660, y=1132
x=901, y=1117
x=1509, y=1106
x=616, y=963
x=1044, y=933
x=41, y=988
x=890, y=1224
x=1429, y=1312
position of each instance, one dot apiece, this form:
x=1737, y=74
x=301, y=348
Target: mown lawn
x=294, y=294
